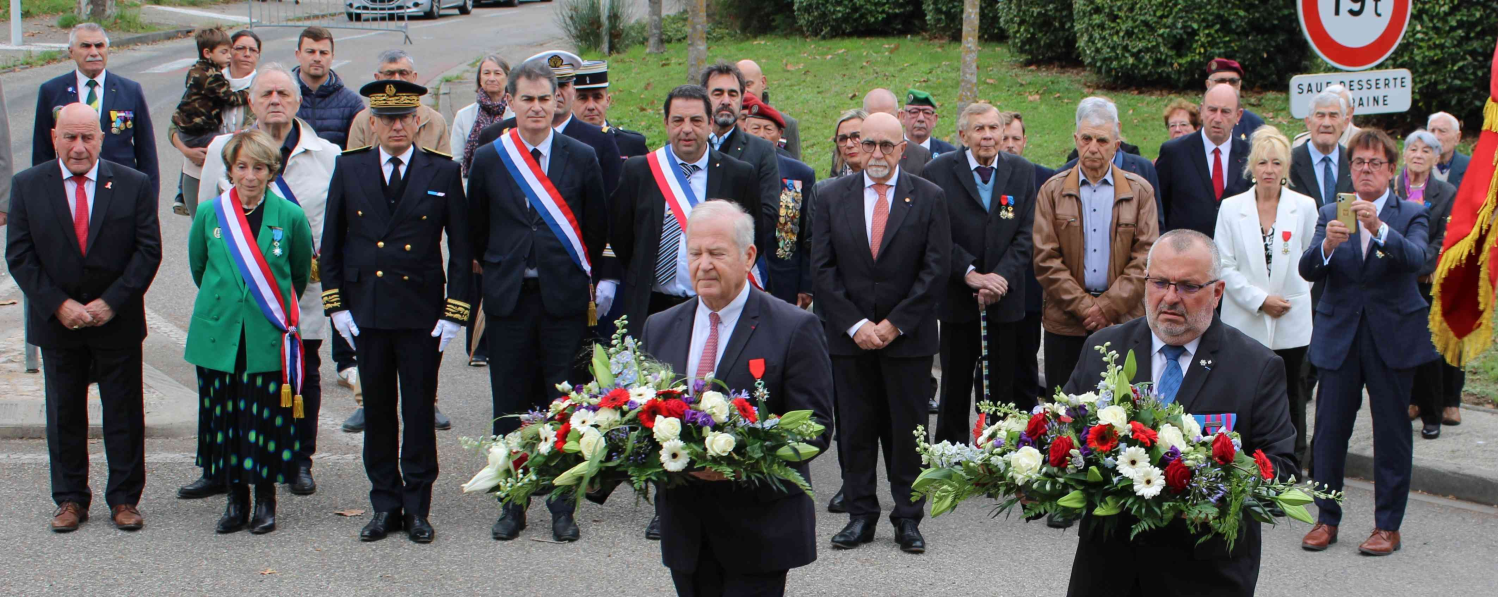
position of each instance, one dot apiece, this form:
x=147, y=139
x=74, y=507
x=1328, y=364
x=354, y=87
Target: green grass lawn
x=815, y=80
x=1482, y=380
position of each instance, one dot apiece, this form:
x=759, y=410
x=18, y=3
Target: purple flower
x=1169, y=456
x=632, y=405
x=1024, y=440
x=699, y=418
x=699, y=386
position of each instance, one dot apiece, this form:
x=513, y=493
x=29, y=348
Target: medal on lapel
x=1007, y=201
x=275, y=241
x=757, y=369
x=1286, y=236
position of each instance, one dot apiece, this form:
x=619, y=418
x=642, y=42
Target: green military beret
x=916, y=97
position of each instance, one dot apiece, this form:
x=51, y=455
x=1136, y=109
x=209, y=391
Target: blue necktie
x=1170, y=382
x=1328, y=182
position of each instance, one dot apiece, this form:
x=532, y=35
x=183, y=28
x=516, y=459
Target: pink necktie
x=1217, y=177
x=80, y=212
x=709, y=358
x=881, y=215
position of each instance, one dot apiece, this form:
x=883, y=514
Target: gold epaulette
x=435, y=152
x=332, y=300
x=457, y=311
x=358, y=149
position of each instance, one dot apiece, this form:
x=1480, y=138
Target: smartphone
x=1344, y=210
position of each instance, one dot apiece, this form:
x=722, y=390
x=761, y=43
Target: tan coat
x=431, y=130
x=1059, y=248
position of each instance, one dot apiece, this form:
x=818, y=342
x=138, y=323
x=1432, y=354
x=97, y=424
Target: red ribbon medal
x=757, y=368
x=1286, y=235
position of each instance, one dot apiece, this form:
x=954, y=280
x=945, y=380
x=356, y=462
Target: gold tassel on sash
x=298, y=411
x=592, y=308
x=286, y=395
x=316, y=275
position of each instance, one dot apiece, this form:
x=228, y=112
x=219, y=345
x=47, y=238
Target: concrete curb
x=149, y=38
x=1436, y=480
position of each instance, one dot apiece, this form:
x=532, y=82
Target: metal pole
x=17, y=37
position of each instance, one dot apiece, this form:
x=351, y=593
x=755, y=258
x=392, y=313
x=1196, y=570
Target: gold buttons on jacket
x=360, y=212
x=380, y=274
x=380, y=244
x=408, y=247
x=423, y=217
x=406, y=278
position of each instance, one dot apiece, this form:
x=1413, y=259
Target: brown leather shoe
x=1380, y=543
x=127, y=518
x=1321, y=536
x=1452, y=416
x=1414, y=412
x=68, y=517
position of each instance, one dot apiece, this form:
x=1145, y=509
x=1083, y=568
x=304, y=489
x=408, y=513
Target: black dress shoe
x=303, y=483
x=511, y=522
x=858, y=532
x=653, y=530
x=564, y=528
x=1059, y=521
x=237, y=513
x=380, y=525
x=933, y=406
x=837, y=505
x=264, y=520
x=419, y=530
x=908, y=535
x=355, y=422
x=1429, y=431
x=440, y=421
x=202, y=488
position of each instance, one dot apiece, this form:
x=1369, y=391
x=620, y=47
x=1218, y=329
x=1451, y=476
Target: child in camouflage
x=199, y=116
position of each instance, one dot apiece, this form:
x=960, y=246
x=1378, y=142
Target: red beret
x=1218, y=65
x=755, y=108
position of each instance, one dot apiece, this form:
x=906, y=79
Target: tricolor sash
x=543, y=196
x=680, y=199
x=267, y=293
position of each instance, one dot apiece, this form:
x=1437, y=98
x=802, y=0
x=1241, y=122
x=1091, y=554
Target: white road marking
x=201, y=13
x=171, y=66
x=157, y=458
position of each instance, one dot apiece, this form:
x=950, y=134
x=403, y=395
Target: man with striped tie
x=649, y=210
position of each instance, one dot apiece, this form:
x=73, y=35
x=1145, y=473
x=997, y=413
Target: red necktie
x=709, y=360
x=881, y=215
x=1217, y=180
x=80, y=212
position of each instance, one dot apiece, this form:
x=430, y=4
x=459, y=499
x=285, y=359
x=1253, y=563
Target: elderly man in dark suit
x=991, y=206
x=537, y=251
x=881, y=255
x=1452, y=166
x=720, y=537
x=1198, y=171
x=1371, y=332
x=124, y=113
x=1210, y=369
x=86, y=283
x=1318, y=169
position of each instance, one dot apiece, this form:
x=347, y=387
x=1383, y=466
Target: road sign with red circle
x=1354, y=34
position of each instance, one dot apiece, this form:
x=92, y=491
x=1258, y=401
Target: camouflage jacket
x=208, y=94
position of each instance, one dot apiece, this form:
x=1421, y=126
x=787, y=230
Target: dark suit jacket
x=908, y=282
x=505, y=230
x=1244, y=378
x=604, y=147
x=1439, y=197
x=630, y=143
x=1458, y=170
x=1244, y=130
x=914, y=161
x=386, y=267
x=1185, y=190
x=791, y=274
x=984, y=239
x=1034, y=294
x=1303, y=174
x=760, y=154
x=750, y=529
x=133, y=146
x=637, y=212
x=124, y=251
x=940, y=148
x=1380, y=289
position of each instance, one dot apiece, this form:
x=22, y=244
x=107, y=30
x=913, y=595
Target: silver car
x=374, y=10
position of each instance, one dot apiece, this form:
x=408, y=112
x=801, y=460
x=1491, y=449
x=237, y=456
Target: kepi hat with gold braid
x=392, y=97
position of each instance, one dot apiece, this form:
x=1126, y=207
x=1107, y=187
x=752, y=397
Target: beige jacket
x=1060, y=246
x=431, y=130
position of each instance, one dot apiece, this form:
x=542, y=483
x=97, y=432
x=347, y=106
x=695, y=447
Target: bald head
x=883, y=145
x=1220, y=112
x=882, y=101
x=77, y=137
x=754, y=78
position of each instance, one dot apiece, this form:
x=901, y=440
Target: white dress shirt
x=544, y=146
x=1158, y=362
x=71, y=187
x=702, y=326
x=870, y=199
x=558, y=128
x=83, y=87
x=1227, y=158
x=387, y=167
x=682, y=285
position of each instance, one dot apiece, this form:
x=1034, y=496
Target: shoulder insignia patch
x=358, y=149
x=435, y=152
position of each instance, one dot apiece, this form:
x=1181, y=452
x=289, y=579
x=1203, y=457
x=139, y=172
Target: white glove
x=603, y=296
x=343, y=321
x=446, y=330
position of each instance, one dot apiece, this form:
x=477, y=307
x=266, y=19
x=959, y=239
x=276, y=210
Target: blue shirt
x=1316, y=157
x=1097, y=226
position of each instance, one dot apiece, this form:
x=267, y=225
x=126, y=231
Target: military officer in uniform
x=592, y=106
x=789, y=258
x=384, y=289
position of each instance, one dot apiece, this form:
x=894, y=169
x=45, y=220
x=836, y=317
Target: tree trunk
x=656, y=45
x=967, y=90
x=96, y=11
x=603, y=14
x=696, y=39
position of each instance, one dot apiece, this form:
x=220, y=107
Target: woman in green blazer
x=246, y=434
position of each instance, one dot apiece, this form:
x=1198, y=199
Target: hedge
x=944, y=19
x=1169, y=42
x=835, y=18
x=1449, y=50
x=1039, y=30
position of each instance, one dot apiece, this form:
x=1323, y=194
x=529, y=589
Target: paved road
x=1448, y=548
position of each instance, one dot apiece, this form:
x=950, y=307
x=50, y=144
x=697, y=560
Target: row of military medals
x=1006, y=202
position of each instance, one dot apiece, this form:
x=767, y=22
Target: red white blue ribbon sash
x=261, y=284
x=680, y=199
x=543, y=196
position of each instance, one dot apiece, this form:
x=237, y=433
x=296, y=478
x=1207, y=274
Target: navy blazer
x=939, y=147
x=1185, y=190
x=132, y=145
x=792, y=231
x=1380, y=288
x=1246, y=126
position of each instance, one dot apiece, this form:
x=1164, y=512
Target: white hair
x=90, y=27
x=276, y=67
x=1182, y=240
x=1328, y=96
x=1425, y=137
x=1455, y=124
x=719, y=209
x=1096, y=111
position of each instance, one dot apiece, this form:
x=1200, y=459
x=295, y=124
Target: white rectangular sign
x=1373, y=91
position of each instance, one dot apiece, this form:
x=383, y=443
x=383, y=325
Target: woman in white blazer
x=1261, y=234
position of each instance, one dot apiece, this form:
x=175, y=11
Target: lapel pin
x=907, y=200
x=1377, y=253
x=108, y=184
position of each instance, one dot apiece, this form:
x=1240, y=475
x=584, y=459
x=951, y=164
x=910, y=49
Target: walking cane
x=983, y=358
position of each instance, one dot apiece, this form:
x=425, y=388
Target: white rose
x=720, y=444
x=1024, y=464
x=641, y=394
x=1089, y=398
x=713, y=403
x=1190, y=427
x=1116, y=416
x=1016, y=424
x=1170, y=436
x=667, y=428
x=606, y=419
x=581, y=418
x=591, y=443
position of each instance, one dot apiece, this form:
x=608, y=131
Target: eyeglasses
x=886, y=147
x=920, y=111
x=1362, y=164
x=841, y=139
x=250, y=49
x=1187, y=288
x=1228, y=80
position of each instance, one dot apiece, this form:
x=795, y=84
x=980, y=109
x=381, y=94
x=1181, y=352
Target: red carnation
x=615, y=398
x=1102, y=438
x=1266, y=468
x=1222, y=449
x=562, y=435
x=649, y=412
x=746, y=410
x=1145, y=435
x=517, y=460
x=563, y=415
x=674, y=409
x=1061, y=451
x=978, y=427
x=1036, y=427
x=1177, y=475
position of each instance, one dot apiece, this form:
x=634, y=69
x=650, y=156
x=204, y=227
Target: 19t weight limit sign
x=1354, y=34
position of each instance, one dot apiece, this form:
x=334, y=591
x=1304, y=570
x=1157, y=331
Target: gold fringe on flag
x=1478, y=243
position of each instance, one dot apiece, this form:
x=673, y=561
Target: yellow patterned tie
x=93, y=94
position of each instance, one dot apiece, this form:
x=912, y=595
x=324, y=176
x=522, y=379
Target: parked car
x=374, y=10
